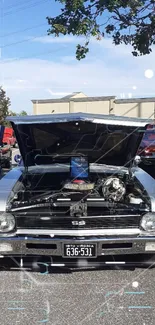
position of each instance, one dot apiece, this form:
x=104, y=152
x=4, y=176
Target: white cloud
x=105, y=43
x=62, y=39
x=111, y=71
x=69, y=58
x=57, y=93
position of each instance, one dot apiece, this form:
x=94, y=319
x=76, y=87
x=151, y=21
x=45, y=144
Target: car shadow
x=68, y=270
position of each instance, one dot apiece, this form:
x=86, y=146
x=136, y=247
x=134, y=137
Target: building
x=79, y=102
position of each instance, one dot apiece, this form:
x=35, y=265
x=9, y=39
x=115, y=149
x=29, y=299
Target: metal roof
x=68, y=99
x=135, y=100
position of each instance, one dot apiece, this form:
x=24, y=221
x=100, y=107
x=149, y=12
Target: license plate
x=80, y=250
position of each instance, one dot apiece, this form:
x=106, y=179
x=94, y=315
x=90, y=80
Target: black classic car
x=80, y=198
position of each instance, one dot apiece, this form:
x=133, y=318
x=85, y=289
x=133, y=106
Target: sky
x=34, y=65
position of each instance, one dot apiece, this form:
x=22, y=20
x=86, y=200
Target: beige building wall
x=98, y=107
x=49, y=108
x=139, y=109
x=147, y=110
x=144, y=108
x=127, y=109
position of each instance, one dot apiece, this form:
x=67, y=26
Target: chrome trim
x=98, y=200
x=7, y=235
x=90, y=217
x=63, y=199
x=57, y=264
x=73, y=117
x=6, y=187
x=148, y=183
x=147, y=237
x=114, y=262
x=120, y=122
x=91, y=232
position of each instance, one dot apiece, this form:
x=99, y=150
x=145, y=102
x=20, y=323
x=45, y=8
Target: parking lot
x=85, y=297
x=57, y=297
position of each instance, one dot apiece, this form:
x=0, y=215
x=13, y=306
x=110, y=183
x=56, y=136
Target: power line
x=22, y=41
x=23, y=30
x=16, y=4
x=33, y=56
x=23, y=8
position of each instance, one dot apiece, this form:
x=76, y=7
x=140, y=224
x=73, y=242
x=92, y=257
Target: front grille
x=107, y=222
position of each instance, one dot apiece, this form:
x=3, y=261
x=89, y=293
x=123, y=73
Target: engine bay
x=107, y=189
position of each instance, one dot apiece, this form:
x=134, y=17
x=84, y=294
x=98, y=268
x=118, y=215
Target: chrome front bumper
x=81, y=232
x=106, y=245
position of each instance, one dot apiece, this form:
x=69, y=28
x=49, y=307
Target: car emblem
x=78, y=222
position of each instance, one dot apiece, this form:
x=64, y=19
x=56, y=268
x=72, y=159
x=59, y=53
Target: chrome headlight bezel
x=7, y=222
x=148, y=222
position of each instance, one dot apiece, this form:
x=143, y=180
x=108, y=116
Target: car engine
x=51, y=188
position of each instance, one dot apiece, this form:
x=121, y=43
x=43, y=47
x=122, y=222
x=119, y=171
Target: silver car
x=78, y=198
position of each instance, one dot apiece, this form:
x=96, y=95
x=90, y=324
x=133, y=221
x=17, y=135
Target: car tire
x=8, y=164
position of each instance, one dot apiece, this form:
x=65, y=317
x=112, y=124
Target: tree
x=125, y=21
x=23, y=113
x=11, y=113
x=4, y=105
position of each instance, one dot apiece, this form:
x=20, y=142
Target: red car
x=5, y=151
x=9, y=138
x=147, y=147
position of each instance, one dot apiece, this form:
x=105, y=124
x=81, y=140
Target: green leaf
x=80, y=17
x=4, y=105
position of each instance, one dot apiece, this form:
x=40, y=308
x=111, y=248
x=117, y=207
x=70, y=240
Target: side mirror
x=17, y=158
x=137, y=160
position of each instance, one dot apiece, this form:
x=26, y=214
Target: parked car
x=147, y=146
x=9, y=137
x=79, y=199
x=5, y=151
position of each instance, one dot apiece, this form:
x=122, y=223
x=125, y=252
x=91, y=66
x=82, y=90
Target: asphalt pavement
x=79, y=298
x=119, y=297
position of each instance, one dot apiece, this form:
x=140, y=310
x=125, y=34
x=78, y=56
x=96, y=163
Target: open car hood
x=105, y=139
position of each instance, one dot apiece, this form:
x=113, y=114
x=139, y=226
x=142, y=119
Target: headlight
x=7, y=222
x=148, y=222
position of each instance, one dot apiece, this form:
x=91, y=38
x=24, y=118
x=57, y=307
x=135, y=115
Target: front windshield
x=77, y=267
